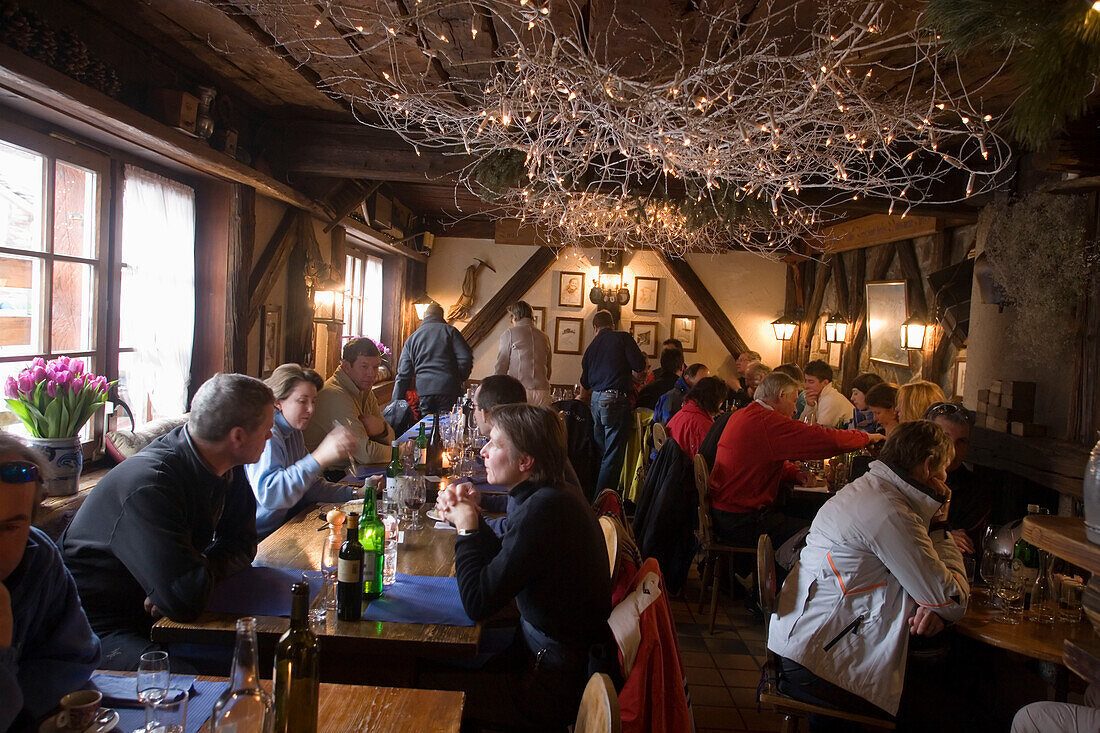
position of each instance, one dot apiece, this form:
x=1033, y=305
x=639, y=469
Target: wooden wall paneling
x=393, y=304
x=211, y=259
x=416, y=284
x=942, y=336
x=884, y=256
x=708, y=307
x=916, y=289
x=337, y=252
x=1084, y=418
x=242, y=241
x=840, y=283
x=272, y=258
x=813, y=308
x=298, y=329
x=790, y=307
x=483, y=322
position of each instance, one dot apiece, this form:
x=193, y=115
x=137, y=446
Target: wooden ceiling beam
x=708, y=307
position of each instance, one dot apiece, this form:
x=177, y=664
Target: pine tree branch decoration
x=1055, y=49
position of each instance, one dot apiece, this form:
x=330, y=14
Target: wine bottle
x=349, y=572
x=435, y=449
x=372, y=539
x=393, y=470
x=297, y=673
x=421, y=451
x=245, y=705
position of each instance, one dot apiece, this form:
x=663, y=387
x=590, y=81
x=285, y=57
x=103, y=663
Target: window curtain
x=372, y=298
x=158, y=294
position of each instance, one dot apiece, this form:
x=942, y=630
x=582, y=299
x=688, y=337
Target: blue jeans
x=611, y=429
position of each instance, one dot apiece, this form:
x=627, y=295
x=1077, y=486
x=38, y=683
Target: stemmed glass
x=412, y=492
x=1009, y=588
x=330, y=558
x=153, y=679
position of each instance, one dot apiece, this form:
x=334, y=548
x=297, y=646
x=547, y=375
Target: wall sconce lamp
x=784, y=327
x=836, y=329
x=608, y=289
x=421, y=305
x=913, y=332
x=328, y=306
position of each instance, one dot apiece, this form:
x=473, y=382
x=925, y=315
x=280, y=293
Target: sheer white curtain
x=158, y=294
x=372, y=298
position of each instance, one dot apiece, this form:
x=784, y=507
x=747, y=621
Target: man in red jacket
x=753, y=458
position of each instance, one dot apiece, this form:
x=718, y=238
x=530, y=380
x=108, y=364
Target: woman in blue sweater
x=287, y=478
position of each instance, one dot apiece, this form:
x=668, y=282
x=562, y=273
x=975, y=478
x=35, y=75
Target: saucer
x=50, y=724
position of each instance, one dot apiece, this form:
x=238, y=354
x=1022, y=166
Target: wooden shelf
x=1056, y=464
x=1064, y=537
x=1082, y=657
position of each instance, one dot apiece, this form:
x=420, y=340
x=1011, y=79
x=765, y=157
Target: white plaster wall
x=750, y=290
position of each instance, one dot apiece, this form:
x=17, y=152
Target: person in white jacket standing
x=525, y=354
x=879, y=564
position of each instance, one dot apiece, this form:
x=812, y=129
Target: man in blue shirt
x=47, y=648
x=606, y=371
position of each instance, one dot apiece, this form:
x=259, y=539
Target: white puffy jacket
x=869, y=561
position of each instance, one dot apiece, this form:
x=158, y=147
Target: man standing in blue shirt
x=606, y=369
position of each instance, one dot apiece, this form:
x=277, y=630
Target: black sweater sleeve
x=492, y=570
x=235, y=537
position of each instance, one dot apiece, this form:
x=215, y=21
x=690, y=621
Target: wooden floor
x=723, y=668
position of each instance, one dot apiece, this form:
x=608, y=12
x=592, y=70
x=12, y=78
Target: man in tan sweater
x=348, y=400
x=525, y=354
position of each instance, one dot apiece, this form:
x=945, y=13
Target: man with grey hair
x=524, y=353
x=165, y=526
x=437, y=359
x=753, y=457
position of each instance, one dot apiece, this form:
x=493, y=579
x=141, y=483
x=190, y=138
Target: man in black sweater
x=551, y=560
x=168, y=524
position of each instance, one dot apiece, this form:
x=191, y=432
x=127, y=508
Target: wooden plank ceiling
x=312, y=139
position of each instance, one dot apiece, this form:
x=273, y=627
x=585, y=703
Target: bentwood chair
x=715, y=554
x=660, y=435
x=599, y=711
x=768, y=694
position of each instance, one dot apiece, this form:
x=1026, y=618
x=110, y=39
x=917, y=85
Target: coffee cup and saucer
x=81, y=712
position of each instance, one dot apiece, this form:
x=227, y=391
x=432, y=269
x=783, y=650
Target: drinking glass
x=168, y=714
x=1069, y=600
x=152, y=679
x=1010, y=589
x=330, y=558
x=412, y=492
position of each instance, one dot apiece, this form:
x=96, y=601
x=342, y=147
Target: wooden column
x=483, y=322
x=242, y=241
x=1084, y=418
x=298, y=346
x=884, y=256
x=708, y=307
x=813, y=309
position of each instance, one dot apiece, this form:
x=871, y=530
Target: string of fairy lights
x=732, y=129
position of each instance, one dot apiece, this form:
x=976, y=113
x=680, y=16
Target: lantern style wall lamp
x=608, y=290
x=421, y=305
x=784, y=327
x=836, y=329
x=913, y=332
x=328, y=305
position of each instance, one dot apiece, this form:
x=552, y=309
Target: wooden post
x=1084, y=418
x=298, y=346
x=708, y=307
x=883, y=259
x=242, y=240
x=813, y=309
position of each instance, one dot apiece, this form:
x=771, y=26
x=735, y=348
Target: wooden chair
x=769, y=695
x=599, y=711
x=611, y=540
x=715, y=554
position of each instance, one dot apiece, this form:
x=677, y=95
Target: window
x=51, y=256
x=362, y=296
x=157, y=314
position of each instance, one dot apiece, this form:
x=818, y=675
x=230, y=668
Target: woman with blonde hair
x=915, y=398
x=288, y=477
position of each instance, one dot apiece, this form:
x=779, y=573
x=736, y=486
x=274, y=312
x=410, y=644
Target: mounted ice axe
x=460, y=311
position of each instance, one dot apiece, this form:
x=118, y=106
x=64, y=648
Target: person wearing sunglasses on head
x=47, y=648
x=971, y=502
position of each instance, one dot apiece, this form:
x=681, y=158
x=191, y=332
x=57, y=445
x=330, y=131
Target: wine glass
x=412, y=491
x=330, y=558
x=1009, y=588
x=153, y=679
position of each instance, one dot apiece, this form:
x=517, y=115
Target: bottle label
x=391, y=485
x=348, y=571
x=370, y=567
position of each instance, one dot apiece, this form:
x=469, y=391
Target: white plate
x=50, y=724
x=433, y=515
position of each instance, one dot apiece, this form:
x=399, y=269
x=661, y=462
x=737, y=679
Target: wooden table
x=1038, y=641
x=344, y=644
x=379, y=709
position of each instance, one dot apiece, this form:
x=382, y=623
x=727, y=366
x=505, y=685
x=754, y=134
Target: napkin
x=420, y=599
x=260, y=591
x=203, y=696
x=121, y=690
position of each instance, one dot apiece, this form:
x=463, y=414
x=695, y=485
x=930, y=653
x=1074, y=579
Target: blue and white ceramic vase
x=64, y=461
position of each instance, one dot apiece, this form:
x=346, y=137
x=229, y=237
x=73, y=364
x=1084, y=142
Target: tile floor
x=723, y=668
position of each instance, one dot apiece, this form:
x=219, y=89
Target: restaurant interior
x=903, y=189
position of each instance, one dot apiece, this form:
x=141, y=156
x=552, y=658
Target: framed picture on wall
x=647, y=291
x=538, y=315
x=571, y=289
x=271, y=327
x=645, y=333
x=686, y=329
x=568, y=335
x=959, y=382
x=886, y=311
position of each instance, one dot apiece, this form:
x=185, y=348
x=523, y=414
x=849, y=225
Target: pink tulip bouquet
x=54, y=399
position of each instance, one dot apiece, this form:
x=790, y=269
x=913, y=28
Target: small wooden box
x=225, y=141
x=176, y=108
x=995, y=386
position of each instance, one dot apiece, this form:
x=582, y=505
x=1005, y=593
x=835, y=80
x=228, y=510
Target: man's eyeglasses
x=942, y=409
x=18, y=472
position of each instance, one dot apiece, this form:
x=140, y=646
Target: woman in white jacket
x=879, y=565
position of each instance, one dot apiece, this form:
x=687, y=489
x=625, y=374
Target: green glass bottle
x=297, y=670
x=422, y=451
x=372, y=536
